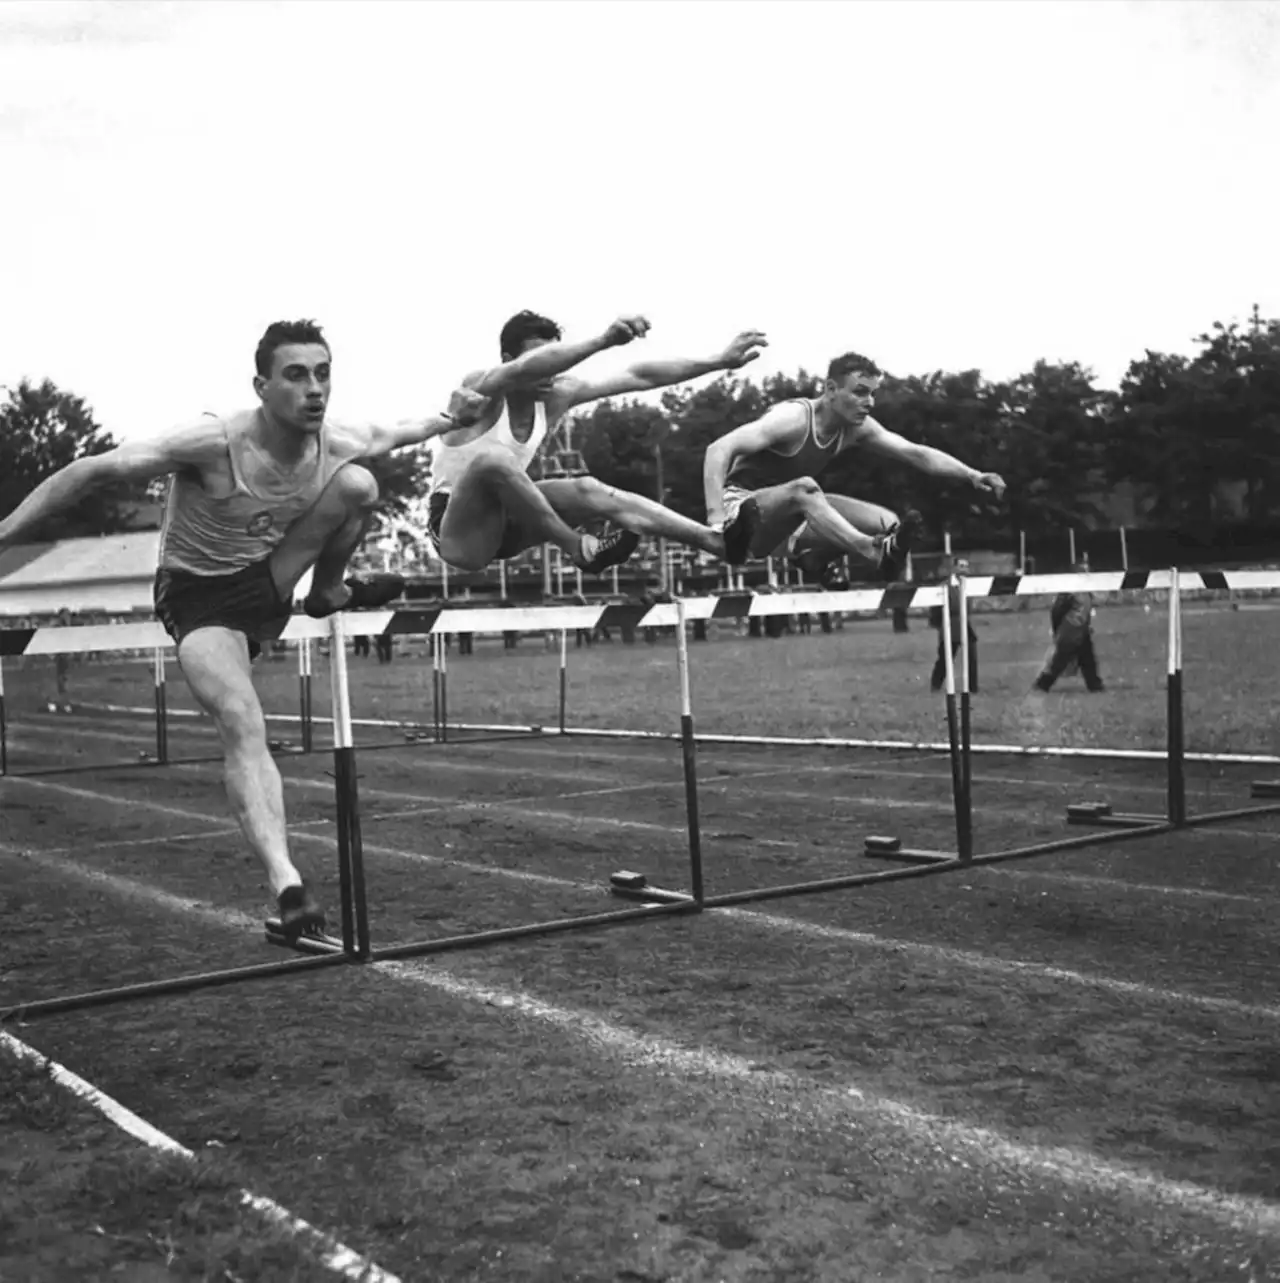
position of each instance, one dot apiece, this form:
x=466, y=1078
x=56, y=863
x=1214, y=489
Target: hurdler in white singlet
x=207, y=535
x=450, y=461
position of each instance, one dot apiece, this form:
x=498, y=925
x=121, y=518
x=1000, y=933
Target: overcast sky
x=941, y=186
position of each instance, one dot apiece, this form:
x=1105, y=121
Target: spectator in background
x=1071, y=619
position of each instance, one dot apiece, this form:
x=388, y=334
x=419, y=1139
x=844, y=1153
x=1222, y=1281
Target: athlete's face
x=854, y=397
x=296, y=392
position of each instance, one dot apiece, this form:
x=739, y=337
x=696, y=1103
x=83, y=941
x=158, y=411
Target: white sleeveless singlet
x=449, y=462
x=206, y=535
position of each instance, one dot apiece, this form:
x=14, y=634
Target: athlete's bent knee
x=356, y=484
x=461, y=558
x=803, y=490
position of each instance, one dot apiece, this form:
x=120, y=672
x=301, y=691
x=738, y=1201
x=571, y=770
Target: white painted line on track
x=334, y=1256
x=941, y=807
x=806, y=1102
x=754, y=919
x=545, y=749
x=435, y=762
x=802, y=1102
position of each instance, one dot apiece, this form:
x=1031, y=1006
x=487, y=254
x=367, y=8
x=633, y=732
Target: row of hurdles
x=354, y=945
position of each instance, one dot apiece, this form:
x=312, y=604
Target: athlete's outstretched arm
x=644, y=376
x=550, y=359
x=191, y=445
x=876, y=438
x=777, y=427
x=465, y=407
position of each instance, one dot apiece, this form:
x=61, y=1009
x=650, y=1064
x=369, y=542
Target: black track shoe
x=300, y=913
x=366, y=594
x=611, y=550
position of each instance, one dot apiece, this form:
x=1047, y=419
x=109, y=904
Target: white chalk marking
x=333, y=1255
x=813, y=1102
x=808, y=1103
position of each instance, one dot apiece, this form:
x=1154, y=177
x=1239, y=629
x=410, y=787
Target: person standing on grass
x=483, y=505
x=1071, y=619
x=256, y=499
x=761, y=488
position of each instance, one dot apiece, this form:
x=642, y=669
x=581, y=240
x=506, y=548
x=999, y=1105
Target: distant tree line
x=1182, y=433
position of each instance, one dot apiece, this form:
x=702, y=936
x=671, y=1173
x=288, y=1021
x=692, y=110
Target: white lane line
x=941, y=806
x=818, y=1106
x=334, y=1256
x=807, y=1104
x=547, y=748
x=755, y=919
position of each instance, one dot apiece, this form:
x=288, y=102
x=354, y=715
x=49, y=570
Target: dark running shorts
x=513, y=540
x=245, y=601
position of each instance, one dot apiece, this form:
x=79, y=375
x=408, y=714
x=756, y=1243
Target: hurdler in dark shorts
x=245, y=601
x=513, y=540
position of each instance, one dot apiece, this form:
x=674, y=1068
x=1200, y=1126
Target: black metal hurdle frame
x=921, y=862
x=1176, y=817
x=355, y=945
x=350, y=876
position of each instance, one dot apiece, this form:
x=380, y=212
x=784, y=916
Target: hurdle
x=320, y=952
x=689, y=902
x=1112, y=829
x=356, y=945
x=149, y=637
x=736, y=604
x=903, y=596
x=1101, y=814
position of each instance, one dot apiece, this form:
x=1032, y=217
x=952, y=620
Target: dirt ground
x=1057, y=1069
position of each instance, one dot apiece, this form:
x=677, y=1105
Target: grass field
x=1061, y=1069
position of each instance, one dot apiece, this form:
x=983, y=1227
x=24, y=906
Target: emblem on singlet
x=260, y=524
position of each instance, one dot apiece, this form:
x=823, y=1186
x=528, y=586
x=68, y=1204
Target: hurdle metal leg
x=889, y=847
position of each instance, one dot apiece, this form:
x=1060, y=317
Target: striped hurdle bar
x=1101, y=814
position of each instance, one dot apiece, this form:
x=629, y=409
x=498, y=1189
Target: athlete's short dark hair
x=521, y=328
x=852, y=363
x=279, y=333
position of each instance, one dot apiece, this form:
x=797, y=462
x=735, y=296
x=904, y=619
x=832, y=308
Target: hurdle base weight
x=1100, y=815
x=316, y=944
x=627, y=885
x=883, y=847
x=1265, y=788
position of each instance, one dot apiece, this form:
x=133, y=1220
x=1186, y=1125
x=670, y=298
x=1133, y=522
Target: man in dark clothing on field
x=1071, y=618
